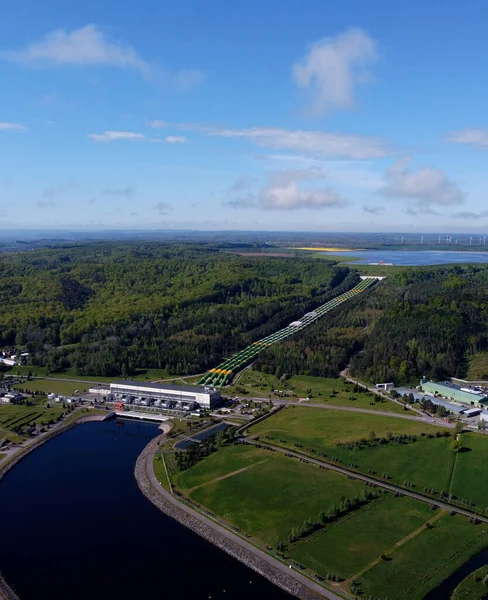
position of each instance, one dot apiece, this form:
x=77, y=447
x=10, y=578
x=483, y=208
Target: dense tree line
x=109, y=308
x=423, y=321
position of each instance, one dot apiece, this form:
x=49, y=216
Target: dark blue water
x=74, y=525
x=448, y=586
x=201, y=436
x=415, y=258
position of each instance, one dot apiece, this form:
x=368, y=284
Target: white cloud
x=475, y=138
x=185, y=78
x=424, y=187
x=316, y=142
x=285, y=190
x=332, y=68
x=112, y=136
x=85, y=46
x=45, y=204
x=159, y=124
x=175, y=139
x=468, y=215
x=12, y=126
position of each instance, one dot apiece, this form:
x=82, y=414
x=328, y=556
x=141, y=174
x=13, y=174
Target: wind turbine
x=470, y=240
x=422, y=240
x=439, y=240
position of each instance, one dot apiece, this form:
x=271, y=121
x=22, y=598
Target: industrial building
x=164, y=395
x=455, y=393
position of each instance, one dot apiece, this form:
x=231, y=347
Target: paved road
x=377, y=482
x=231, y=536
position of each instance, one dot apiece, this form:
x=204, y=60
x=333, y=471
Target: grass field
x=140, y=374
x=14, y=417
x=425, y=463
x=46, y=386
x=219, y=464
x=469, y=479
x=271, y=498
x=364, y=537
x=260, y=385
x=473, y=587
x=422, y=563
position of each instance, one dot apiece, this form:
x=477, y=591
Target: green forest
x=108, y=308
x=430, y=321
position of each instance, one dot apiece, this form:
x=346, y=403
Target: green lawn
x=63, y=388
x=470, y=480
x=425, y=463
x=473, y=587
x=270, y=499
x=318, y=389
x=425, y=561
x=348, y=546
x=321, y=429
x=226, y=460
x=140, y=374
x=14, y=417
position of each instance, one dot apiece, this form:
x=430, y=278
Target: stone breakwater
x=176, y=510
x=6, y=592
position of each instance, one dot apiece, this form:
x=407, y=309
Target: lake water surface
x=415, y=258
x=74, y=525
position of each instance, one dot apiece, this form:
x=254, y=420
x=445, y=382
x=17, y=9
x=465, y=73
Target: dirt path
x=260, y=462
x=406, y=539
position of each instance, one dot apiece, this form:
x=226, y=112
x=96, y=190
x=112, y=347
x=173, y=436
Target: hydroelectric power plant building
x=170, y=396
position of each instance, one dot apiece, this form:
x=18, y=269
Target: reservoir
x=414, y=258
x=73, y=524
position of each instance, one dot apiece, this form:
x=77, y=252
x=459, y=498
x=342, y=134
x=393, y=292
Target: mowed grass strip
x=64, y=388
x=270, y=499
x=421, y=564
x=348, y=546
x=470, y=480
x=322, y=429
x=428, y=462
x=225, y=461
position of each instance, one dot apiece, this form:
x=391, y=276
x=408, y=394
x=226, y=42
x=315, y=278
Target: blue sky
x=320, y=115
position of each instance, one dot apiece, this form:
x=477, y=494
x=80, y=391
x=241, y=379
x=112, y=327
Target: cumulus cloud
x=333, y=67
x=112, y=136
x=85, y=46
x=373, y=210
x=315, y=142
x=126, y=191
x=425, y=187
x=476, y=139
x=45, y=204
x=286, y=192
x=162, y=207
x=175, y=139
x=468, y=215
x=12, y=126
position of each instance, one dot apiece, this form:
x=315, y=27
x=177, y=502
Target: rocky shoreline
x=174, y=509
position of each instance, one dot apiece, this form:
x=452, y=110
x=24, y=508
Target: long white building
x=179, y=395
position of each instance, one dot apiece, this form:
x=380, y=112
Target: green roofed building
x=455, y=393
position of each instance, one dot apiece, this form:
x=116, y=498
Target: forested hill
x=423, y=321
x=108, y=308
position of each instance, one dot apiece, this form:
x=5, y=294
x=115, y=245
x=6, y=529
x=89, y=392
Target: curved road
x=231, y=536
